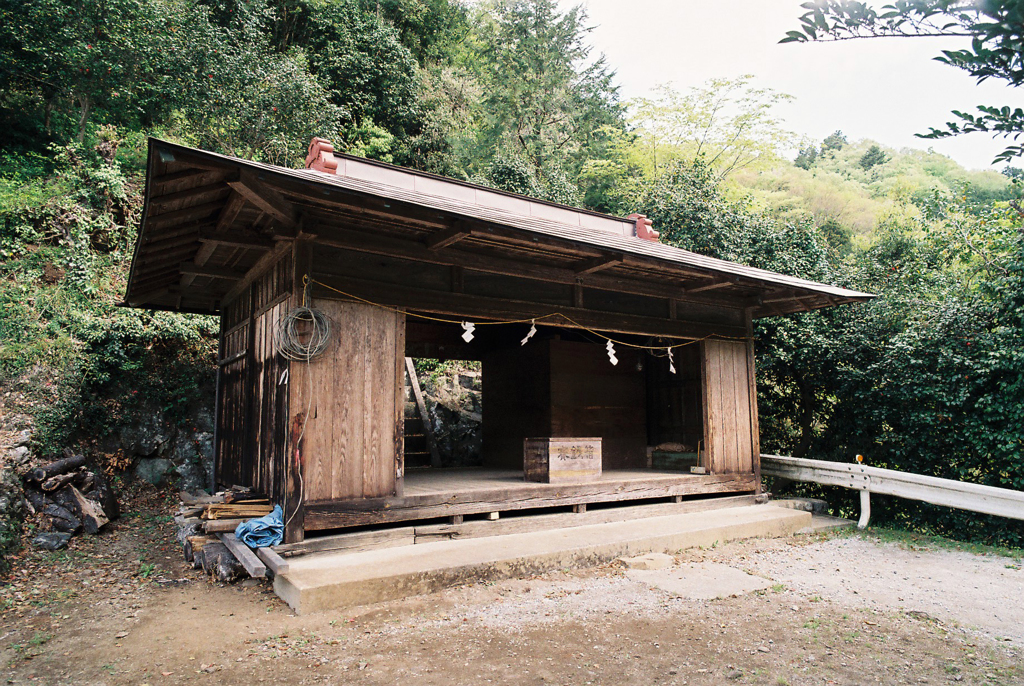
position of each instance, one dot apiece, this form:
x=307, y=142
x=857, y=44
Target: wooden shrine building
x=401, y=263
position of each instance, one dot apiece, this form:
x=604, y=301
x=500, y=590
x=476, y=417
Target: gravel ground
x=979, y=592
x=122, y=609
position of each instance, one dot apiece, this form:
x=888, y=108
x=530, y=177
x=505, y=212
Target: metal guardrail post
x=865, y=509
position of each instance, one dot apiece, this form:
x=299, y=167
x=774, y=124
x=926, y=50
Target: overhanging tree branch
x=996, y=28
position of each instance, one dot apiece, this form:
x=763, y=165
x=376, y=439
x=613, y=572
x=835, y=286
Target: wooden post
x=250, y=441
x=294, y=495
x=865, y=509
x=400, y=361
x=755, y=436
x=703, y=457
x=217, y=412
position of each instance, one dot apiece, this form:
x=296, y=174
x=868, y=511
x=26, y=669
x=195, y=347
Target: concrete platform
x=327, y=581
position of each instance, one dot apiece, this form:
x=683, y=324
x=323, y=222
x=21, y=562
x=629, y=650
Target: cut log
x=218, y=562
x=186, y=528
x=104, y=494
x=245, y=555
x=222, y=525
x=193, y=547
x=244, y=498
x=87, y=482
x=89, y=511
x=37, y=500
x=236, y=511
x=52, y=469
x=55, y=483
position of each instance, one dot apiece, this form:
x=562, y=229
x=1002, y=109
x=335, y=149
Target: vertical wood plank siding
x=252, y=415
x=729, y=420
x=352, y=443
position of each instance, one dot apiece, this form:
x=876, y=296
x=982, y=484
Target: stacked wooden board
x=206, y=525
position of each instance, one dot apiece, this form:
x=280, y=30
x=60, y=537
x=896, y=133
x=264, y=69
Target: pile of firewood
x=70, y=499
x=205, y=530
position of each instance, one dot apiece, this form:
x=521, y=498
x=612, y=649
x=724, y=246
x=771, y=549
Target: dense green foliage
x=86, y=362
x=928, y=378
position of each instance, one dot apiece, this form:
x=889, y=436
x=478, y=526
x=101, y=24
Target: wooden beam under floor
x=337, y=514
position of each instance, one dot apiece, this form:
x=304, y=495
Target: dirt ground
x=121, y=608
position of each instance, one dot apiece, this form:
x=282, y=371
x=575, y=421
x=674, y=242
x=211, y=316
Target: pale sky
x=882, y=89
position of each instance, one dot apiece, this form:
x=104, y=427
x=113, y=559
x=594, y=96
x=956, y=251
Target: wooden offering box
x=562, y=460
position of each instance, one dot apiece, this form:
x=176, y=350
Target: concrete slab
x=320, y=582
x=648, y=561
x=701, y=580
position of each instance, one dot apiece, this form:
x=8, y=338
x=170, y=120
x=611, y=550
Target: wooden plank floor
x=436, y=481
x=431, y=494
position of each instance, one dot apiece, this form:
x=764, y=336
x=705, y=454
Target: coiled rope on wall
x=302, y=333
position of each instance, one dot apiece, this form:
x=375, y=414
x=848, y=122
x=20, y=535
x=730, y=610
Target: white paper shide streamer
x=530, y=333
x=671, y=361
x=468, y=328
x=611, y=353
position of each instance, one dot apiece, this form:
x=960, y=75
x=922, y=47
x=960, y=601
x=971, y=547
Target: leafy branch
x=999, y=121
x=996, y=28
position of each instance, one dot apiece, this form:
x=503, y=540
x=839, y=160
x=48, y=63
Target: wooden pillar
x=294, y=495
x=399, y=417
x=218, y=415
x=755, y=432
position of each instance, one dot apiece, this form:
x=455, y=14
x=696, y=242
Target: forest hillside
x=508, y=93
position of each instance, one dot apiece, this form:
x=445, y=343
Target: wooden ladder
x=420, y=446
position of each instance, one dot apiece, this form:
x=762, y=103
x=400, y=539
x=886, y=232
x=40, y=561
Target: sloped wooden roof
x=209, y=219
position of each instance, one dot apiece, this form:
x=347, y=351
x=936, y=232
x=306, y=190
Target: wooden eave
x=211, y=221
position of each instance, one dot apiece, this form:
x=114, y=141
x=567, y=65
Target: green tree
x=871, y=157
x=833, y=143
x=358, y=54
x=996, y=29
x=238, y=94
x=546, y=98
x=806, y=157
x=729, y=122
x=64, y=61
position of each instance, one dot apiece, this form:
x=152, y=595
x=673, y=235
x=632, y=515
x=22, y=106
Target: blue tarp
x=262, y=532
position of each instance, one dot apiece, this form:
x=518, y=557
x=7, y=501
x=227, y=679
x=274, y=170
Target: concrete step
x=326, y=581
x=826, y=522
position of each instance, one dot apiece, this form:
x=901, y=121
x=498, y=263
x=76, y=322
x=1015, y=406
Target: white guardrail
x=1002, y=502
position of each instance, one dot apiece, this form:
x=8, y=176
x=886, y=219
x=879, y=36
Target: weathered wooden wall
x=729, y=417
x=553, y=388
x=592, y=397
x=351, y=399
x=253, y=405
